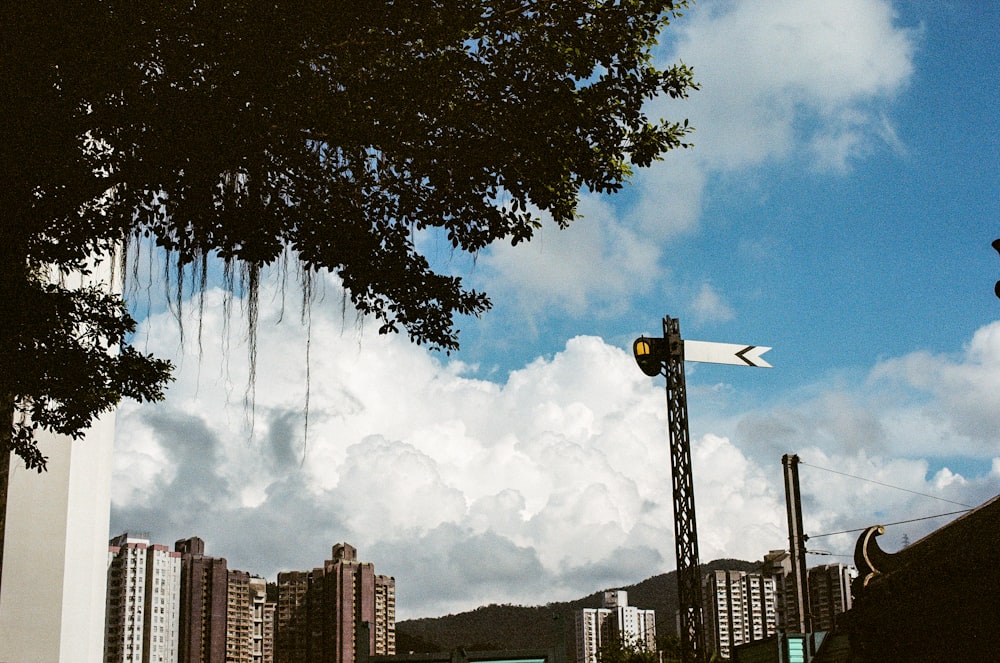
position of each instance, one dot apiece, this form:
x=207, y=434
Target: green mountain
x=542, y=627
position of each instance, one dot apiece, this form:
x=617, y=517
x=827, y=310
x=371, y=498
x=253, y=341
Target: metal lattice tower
x=666, y=356
x=685, y=525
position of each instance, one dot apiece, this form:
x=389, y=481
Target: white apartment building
x=616, y=620
x=56, y=544
x=739, y=608
x=163, y=599
x=143, y=602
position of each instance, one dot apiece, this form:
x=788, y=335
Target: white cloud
x=710, y=306
x=918, y=424
x=738, y=508
x=959, y=397
x=562, y=468
x=586, y=267
x=783, y=75
x=788, y=81
x=556, y=481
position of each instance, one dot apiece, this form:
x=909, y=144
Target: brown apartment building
x=335, y=613
x=225, y=616
x=204, y=597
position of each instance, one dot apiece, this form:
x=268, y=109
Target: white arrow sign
x=725, y=353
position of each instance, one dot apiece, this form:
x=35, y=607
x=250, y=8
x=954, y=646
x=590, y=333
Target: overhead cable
x=901, y=522
x=907, y=490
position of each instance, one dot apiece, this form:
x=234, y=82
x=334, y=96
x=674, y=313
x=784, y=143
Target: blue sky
x=838, y=205
x=834, y=265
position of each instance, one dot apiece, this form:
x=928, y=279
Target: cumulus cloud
x=787, y=77
x=801, y=82
x=919, y=438
x=586, y=268
x=547, y=485
x=956, y=409
x=543, y=472
x=909, y=446
x=553, y=481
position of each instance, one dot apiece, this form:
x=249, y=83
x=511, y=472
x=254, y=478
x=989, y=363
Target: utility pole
x=665, y=356
x=797, y=541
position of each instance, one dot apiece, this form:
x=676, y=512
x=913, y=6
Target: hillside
x=541, y=627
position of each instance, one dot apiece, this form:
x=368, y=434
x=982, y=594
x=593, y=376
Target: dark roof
x=935, y=600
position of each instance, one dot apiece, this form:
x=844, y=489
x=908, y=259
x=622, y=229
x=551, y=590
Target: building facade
x=261, y=623
x=336, y=613
x=829, y=592
x=616, y=621
x=778, y=565
x=143, y=596
x=161, y=624
x=239, y=617
x=204, y=602
x=268, y=641
x=291, y=620
x=55, y=546
x=55, y=555
x=740, y=608
x=225, y=616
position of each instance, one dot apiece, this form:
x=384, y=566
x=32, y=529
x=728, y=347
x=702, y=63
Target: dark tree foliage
x=82, y=364
x=617, y=650
x=669, y=647
x=336, y=131
x=538, y=627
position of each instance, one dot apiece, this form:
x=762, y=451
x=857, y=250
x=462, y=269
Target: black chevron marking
x=743, y=352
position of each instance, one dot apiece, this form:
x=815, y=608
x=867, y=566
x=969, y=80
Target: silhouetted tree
x=618, y=650
x=670, y=648
x=334, y=133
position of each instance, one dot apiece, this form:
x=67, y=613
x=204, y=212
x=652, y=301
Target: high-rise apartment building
x=739, y=608
x=261, y=623
x=267, y=642
x=778, y=565
x=126, y=596
x=291, y=621
x=222, y=610
x=204, y=600
x=829, y=592
x=141, y=615
x=162, y=619
x=239, y=618
x=615, y=621
x=336, y=613
x=383, y=637
x=55, y=550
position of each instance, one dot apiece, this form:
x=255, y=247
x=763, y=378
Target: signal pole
x=670, y=363
x=665, y=356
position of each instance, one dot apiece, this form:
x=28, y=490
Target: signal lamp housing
x=650, y=354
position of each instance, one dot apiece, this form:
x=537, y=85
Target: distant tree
x=335, y=133
x=618, y=650
x=670, y=648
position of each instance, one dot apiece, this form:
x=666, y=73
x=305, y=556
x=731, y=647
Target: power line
x=828, y=554
x=901, y=522
x=905, y=490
